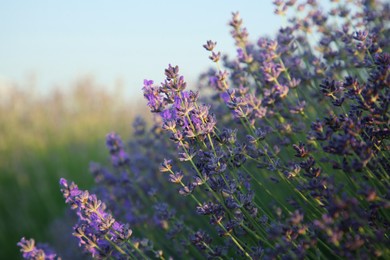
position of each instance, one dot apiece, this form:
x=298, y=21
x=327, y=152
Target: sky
x=59, y=42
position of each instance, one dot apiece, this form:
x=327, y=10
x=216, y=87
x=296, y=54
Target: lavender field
x=278, y=152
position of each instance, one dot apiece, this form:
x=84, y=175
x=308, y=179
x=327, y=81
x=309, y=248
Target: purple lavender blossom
x=31, y=251
x=98, y=232
x=119, y=157
x=195, y=121
x=152, y=94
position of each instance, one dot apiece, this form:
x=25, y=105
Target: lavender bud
x=210, y=45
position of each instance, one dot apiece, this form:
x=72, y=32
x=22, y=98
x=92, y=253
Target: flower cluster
x=287, y=158
x=114, y=144
x=31, y=251
x=182, y=116
x=98, y=232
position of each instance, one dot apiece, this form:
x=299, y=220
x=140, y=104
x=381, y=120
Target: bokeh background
x=72, y=71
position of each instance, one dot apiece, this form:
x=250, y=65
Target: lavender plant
x=287, y=158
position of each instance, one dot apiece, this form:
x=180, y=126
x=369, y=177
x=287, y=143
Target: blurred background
x=72, y=71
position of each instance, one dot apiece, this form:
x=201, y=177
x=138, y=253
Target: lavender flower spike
x=30, y=251
x=98, y=232
x=152, y=94
x=114, y=143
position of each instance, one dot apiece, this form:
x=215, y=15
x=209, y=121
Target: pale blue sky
x=60, y=41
